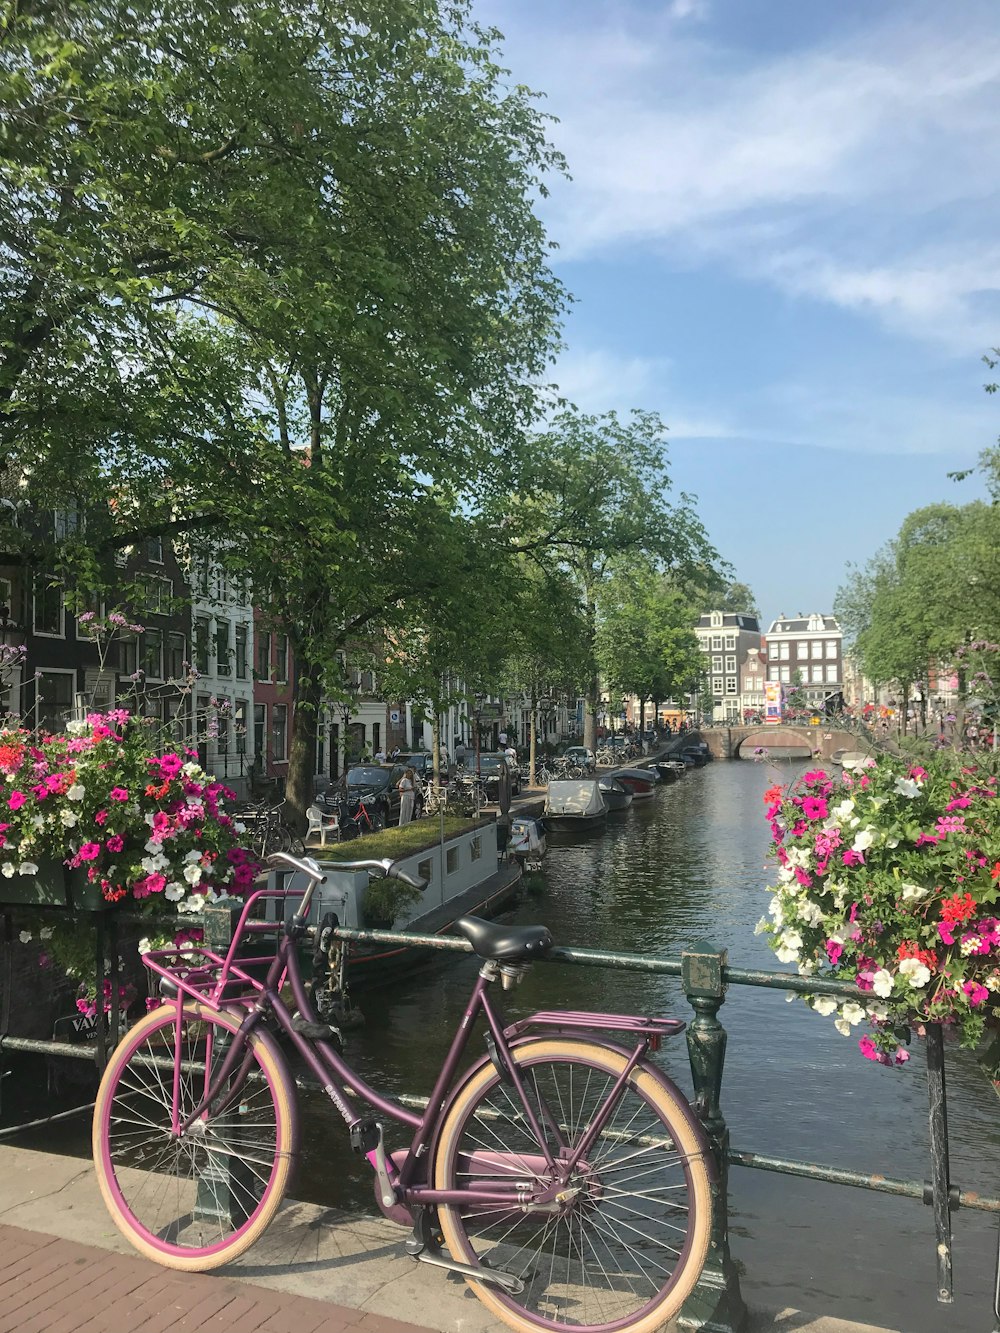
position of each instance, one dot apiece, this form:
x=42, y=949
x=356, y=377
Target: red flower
x=958, y=908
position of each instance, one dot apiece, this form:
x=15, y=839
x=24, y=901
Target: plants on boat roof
x=889, y=878
x=386, y=899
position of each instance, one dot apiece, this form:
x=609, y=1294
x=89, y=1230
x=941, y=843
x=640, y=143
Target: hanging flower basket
x=889, y=877
x=103, y=814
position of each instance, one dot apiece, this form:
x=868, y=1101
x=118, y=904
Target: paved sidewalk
x=65, y=1268
x=48, y=1285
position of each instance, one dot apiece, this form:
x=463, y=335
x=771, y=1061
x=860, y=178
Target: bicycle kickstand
x=424, y=1246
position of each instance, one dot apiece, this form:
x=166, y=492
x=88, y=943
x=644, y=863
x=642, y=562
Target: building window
x=716, y=663
x=240, y=725
x=831, y=675
x=730, y=663
x=202, y=634
x=772, y=652
x=717, y=685
x=731, y=685
x=263, y=671
x=176, y=657
x=772, y=673
x=47, y=607
x=222, y=666
x=154, y=596
x=817, y=675
x=785, y=651
x=817, y=649
x=279, y=730
x=716, y=643
x=54, y=698
x=259, y=730
x=730, y=643
x=831, y=647
x=802, y=648
x=154, y=550
x=281, y=657
x=242, y=635
x=128, y=654
x=152, y=654
x=786, y=675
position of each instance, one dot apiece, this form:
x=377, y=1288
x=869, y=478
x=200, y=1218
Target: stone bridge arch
x=740, y=742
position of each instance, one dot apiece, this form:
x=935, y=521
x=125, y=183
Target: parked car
x=422, y=763
x=582, y=756
x=375, y=785
x=489, y=771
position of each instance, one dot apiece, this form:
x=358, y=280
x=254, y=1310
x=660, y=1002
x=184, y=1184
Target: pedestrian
x=459, y=752
x=395, y=753
x=406, y=786
x=380, y=755
x=511, y=754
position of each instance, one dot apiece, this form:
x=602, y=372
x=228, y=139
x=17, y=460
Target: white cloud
x=822, y=170
x=598, y=380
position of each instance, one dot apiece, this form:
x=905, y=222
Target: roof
x=730, y=620
x=816, y=623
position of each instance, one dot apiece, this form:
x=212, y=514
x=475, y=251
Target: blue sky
x=782, y=235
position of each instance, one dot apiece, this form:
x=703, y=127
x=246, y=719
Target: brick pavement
x=48, y=1285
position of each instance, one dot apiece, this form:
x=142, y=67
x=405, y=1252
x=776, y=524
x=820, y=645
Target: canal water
x=688, y=865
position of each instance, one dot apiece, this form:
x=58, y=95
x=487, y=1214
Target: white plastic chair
x=320, y=822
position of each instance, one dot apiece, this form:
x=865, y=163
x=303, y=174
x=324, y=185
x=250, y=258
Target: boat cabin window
x=451, y=860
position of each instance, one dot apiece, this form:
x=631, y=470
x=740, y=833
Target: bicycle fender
x=697, y=1127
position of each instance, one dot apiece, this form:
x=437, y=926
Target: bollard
x=716, y=1304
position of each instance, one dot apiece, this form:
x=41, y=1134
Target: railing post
x=939, y=1192
x=716, y=1304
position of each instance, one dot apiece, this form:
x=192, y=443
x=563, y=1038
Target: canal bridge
x=740, y=742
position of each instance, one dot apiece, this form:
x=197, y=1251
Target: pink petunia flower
x=118, y=794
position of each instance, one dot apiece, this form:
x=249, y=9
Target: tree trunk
x=436, y=746
x=302, y=756
x=533, y=743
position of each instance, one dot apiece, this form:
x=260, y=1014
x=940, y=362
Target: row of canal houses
x=185, y=644
x=181, y=641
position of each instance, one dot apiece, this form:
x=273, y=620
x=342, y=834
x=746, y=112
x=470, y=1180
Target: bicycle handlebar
x=306, y=865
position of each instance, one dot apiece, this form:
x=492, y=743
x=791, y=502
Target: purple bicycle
x=562, y=1174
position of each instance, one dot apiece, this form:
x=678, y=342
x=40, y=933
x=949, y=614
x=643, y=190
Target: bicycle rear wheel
x=197, y=1200
x=623, y=1245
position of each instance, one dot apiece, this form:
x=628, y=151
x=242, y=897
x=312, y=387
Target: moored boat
x=641, y=782
x=669, y=770
x=575, y=806
x=615, y=795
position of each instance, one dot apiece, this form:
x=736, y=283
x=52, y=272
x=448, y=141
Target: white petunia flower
x=824, y=1004
x=68, y=818
x=193, y=855
x=842, y=1026
x=27, y=868
x=843, y=809
x=911, y=892
x=876, y=1009
x=38, y=822
x=77, y=792
x=192, y=873
x=762, y=926
x=852, y=1012
x=145, y=944
x=7, y=869
x=25, y=937
x=76, y=728
x=882, y=983
x=174, y=892
x=915, y=972
x=907, y=787
x=807, y=967
x=810, y=912
x=864, y=839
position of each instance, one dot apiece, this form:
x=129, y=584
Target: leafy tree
x=273, y=279
x=595, y=490
x=738, y=597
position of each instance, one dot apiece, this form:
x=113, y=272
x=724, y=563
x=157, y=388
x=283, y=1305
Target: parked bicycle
x=269, y=831
x=562, y=1174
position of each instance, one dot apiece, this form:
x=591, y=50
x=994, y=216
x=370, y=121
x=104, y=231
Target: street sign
x=394, y=715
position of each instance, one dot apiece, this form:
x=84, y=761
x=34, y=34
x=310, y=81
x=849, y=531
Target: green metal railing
x=717, y=1304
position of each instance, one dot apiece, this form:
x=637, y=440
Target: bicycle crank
x=494, y=1276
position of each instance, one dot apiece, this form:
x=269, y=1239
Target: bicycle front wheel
x=198, y=1199
x=620, y=1244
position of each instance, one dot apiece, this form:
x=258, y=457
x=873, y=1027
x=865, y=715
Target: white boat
x=575, y=804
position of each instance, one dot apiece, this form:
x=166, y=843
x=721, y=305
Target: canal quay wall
x=60, y=1272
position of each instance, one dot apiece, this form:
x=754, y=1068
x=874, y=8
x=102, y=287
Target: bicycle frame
x=341, y=1084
